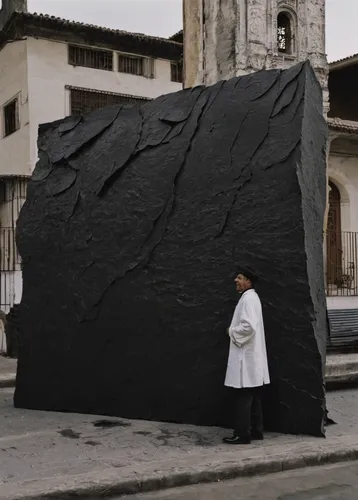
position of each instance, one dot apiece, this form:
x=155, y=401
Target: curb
x=7, y=380
x=346, y=378
x=336, y=376
x=203, y=474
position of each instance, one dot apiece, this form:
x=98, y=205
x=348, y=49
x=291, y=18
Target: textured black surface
x=135, y=223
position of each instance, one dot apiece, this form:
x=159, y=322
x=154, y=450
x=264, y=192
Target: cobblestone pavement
x=37, y=445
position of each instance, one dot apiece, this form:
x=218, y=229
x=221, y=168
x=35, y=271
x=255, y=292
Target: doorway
x=334, y=237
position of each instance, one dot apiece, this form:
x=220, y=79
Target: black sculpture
x=135, y=222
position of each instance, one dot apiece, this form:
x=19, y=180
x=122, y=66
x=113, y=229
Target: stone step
x=342, y=368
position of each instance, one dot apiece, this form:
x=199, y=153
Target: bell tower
x=8, y=7
x=227, y=38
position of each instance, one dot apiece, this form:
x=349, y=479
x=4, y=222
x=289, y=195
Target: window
x=90, y=58
x=84, y=100
x=135, y=65
x=176, y=72
x=284, y=33
x=131, y=65
x=11, y=117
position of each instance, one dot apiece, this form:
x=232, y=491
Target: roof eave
x=344, y=63
x=33, y=25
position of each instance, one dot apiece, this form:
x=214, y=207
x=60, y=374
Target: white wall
x=37, y=71
x=343, y=171
x=342, y=303
x=14, y=149
x=49, y=73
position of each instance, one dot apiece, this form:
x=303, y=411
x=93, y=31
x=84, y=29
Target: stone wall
x=240, y=36
x=10, y=6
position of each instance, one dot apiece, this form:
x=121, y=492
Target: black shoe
x=257, y=436
x=237, y=440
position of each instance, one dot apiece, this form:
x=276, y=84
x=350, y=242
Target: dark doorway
x=334, y=238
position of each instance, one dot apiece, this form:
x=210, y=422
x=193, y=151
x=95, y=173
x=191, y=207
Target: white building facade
x=51, y=68
x=342, y=228
x=235, y=37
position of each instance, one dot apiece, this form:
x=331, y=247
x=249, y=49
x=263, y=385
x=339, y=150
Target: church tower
x=227, y=38
x=8, y=7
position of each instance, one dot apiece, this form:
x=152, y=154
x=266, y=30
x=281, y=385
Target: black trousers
x=248, y=411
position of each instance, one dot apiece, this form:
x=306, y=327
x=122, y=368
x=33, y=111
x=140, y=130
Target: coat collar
x=249, y=290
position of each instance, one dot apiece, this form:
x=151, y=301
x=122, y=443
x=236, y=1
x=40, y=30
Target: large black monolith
x=135, y=224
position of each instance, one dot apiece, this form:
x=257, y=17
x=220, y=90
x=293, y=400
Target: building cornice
x=345, y=126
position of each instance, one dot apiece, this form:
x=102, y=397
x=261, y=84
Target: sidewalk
x=7, y=372
x=44, y=453
x=341, y=368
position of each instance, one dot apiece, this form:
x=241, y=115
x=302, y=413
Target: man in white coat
x=247, y=369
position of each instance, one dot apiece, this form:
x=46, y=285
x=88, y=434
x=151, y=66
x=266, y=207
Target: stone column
x=193, y=33
x=210, y=39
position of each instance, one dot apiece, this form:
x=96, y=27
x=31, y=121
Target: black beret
x=248, y=273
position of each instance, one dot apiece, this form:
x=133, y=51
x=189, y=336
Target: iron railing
x=12, y=197
x=9, y=256
x=341, y=263
x=10, y=269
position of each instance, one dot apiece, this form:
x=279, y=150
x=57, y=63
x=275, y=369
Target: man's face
x=242, y=283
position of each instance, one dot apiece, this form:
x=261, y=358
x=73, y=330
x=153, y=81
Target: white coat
x=247, y=365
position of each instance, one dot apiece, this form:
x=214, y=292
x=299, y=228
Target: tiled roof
x=77, y=24
x=23, y=24
x=346, y=61
x=177, y=37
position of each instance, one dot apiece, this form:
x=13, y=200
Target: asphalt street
x=338, y=482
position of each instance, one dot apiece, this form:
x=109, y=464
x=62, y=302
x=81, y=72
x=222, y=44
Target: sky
x=164, y=18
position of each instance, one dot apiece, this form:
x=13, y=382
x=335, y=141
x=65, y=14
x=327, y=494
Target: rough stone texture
x=10, y=6
x=133, y=228
x=192, y=40
x=340, y=369
x=240, y=36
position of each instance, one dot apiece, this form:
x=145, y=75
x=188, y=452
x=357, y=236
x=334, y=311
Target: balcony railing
x=341, y=264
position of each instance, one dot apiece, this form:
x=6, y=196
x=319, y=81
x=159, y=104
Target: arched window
x=284, y=33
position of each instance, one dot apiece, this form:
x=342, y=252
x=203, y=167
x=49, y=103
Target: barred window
x=11, y=119
x=176, y=72
x=90, y=58
x=131, y=65
x=83, y=100
x=136, y=65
